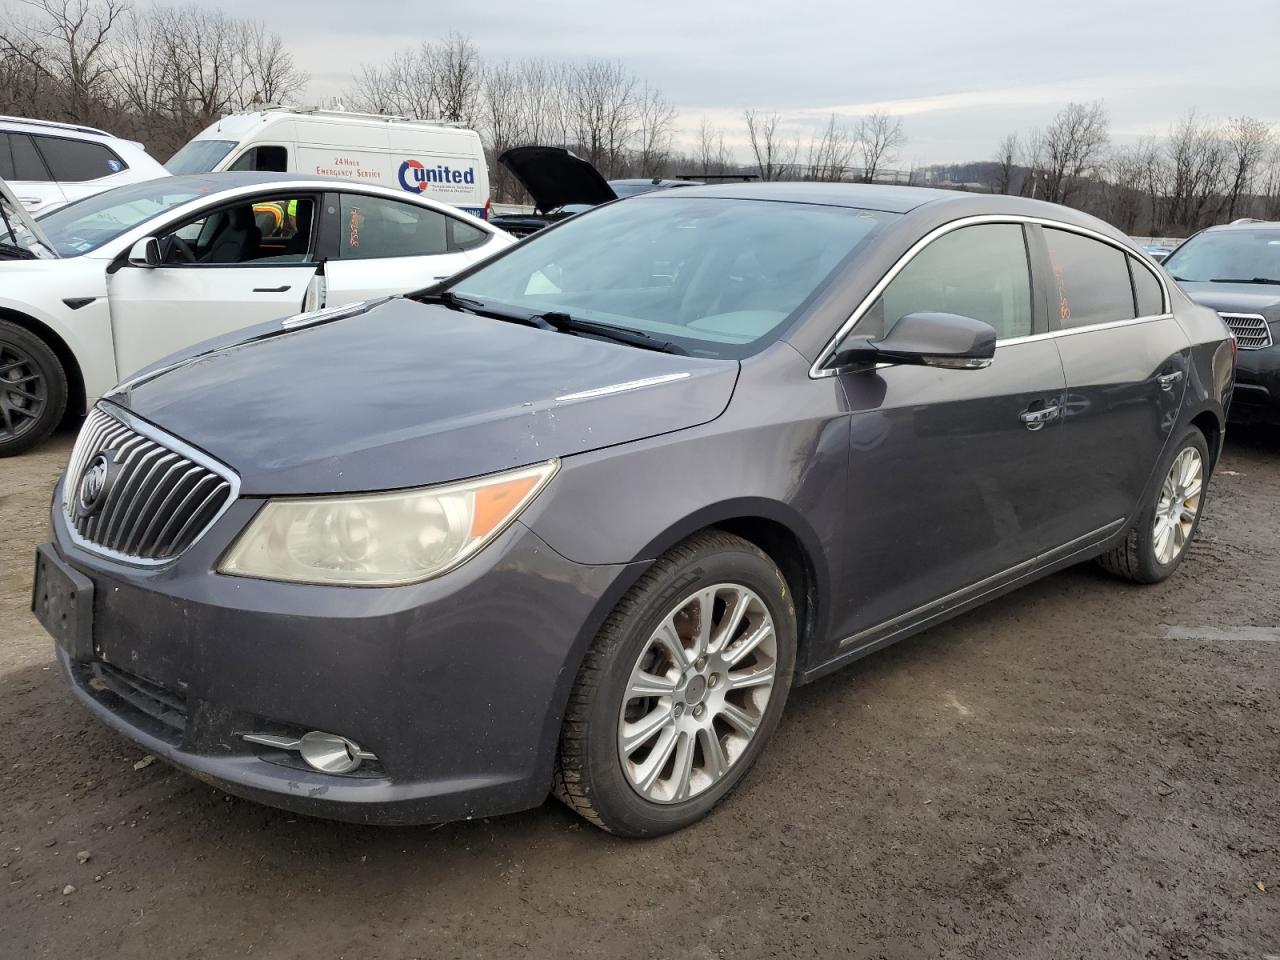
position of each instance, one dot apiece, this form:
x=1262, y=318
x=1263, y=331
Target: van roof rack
x=54, y=124
x=341, y=112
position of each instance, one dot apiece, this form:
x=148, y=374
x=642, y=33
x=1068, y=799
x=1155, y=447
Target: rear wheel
x=1158, y=541
x=33, y=389
x=681, y=689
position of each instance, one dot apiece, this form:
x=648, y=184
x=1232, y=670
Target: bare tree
x=655, y=119
x=831, y=153
x=1006, y=163
x=1248, y=142
x=773, y=155
x=602, y=111
x=880, y=137
x=457, y=79
x=713, y=156
x=1073, y=146
x=66, y=40
x=1198, y=162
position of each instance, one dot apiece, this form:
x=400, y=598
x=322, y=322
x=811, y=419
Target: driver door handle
x=1035, y=419
x=280, y=289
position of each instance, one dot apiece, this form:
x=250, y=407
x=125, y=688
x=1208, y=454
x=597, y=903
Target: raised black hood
x=553, y=177
x=408, y=394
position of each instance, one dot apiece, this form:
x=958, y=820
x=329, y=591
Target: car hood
x=407, y=394
x=553, y=177
x=1263, y=299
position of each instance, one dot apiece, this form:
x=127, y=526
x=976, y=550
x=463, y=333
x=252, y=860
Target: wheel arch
x=788, y=540
x=66, y=356
x=1208, y=423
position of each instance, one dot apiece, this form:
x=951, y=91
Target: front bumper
x=457, y=684
x=1256, y=398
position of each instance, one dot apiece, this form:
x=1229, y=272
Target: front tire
x=33, y=389
x=1165, y=528
x=681, y=689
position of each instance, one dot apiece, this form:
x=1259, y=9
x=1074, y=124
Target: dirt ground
x=1082, y=769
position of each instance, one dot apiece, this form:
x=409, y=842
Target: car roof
x=74, y=130
x=1246, y=225
x=864, y=196
x=928, y=203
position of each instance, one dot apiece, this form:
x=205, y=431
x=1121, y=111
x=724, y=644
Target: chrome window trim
x=817, y=370
x=165, y=439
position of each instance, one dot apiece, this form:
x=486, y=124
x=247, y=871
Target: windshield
x=716, y=277
x=87, y=224
x=199, y=156
x=1252, y=256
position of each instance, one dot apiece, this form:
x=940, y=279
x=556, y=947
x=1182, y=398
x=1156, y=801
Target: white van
x=439, y=161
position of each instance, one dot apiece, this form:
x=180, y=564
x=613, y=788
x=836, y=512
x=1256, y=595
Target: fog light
x=326, y=752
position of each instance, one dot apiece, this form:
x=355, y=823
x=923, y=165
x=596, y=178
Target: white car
x=50, y=164
x=96, y=290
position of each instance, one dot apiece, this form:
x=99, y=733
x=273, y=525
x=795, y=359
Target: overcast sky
x=961, y=73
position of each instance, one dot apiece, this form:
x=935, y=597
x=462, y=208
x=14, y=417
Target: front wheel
x=33, y=389
x=681, y=689
x=1166, y=526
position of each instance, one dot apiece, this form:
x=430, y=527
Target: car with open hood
x=578, y=519
x=102, y=287
x=1235, y=270
x=563, y=185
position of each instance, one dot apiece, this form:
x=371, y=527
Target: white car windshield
x=87, y=224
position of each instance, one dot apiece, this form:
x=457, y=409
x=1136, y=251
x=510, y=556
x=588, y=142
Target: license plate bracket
x=62, y=600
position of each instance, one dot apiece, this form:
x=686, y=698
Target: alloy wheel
x=697, y=693
x=1179, y=505
x=23, y=392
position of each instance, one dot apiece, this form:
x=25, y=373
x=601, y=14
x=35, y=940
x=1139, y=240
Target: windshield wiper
x=552, y=320
x=16, y=252
x=567, y=323
x=481, y=308
x=1243, y=280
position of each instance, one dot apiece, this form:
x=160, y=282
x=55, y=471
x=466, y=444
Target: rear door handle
x=1167, y=380
x=1035, y=419
x=271, y=289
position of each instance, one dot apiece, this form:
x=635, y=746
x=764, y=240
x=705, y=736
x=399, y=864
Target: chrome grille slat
x=163, y=494
x=1251, y=330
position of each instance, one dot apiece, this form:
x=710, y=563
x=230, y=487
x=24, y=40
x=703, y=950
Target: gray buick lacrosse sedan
x=578, y=519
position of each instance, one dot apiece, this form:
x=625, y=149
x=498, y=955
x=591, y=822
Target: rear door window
x=1147, y=292
x=374, y=227
x=1090, y=282
x=463, y=236
x=19, y=160
x=74, y=161
x=981, y=272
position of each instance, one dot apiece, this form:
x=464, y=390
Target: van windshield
x=199, y=156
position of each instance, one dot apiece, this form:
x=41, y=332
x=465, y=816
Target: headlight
x=382, y=539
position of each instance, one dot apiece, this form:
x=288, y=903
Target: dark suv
x=1235, y=269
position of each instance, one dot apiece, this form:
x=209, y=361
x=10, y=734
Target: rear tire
x=1166, y=526
x=33, y=389
x=680, y=690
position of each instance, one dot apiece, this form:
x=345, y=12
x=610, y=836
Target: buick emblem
x=95, y=482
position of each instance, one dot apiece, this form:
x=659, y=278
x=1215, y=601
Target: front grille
x=159, y=497
x=1250, y=329
x=159, y=703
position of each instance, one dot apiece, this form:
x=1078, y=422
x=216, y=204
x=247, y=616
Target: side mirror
x=924, y=339
x=145, y=253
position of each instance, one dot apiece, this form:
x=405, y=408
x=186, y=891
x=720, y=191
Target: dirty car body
x=890, y=495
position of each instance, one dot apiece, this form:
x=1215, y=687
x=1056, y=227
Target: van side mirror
x=924, y=339
x=145, y=253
